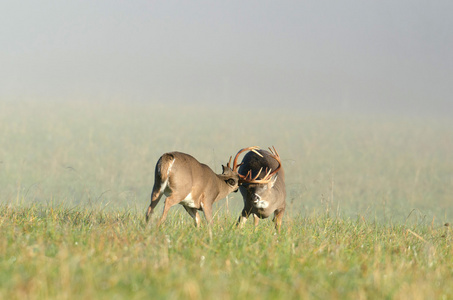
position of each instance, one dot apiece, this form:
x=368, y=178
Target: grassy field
x=369, y=198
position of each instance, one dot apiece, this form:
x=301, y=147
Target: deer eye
x=231, y=182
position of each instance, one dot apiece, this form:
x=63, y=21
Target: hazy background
x=341, y=56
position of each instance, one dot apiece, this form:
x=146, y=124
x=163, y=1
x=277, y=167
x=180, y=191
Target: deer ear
x=223, y=169
x=273, y=180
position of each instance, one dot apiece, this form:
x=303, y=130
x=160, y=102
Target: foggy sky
x=389, y=56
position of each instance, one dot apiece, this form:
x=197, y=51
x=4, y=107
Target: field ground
x=369, y=198
x=58, y=253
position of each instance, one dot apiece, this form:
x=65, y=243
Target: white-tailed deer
x=186, y=181
x=262, y=185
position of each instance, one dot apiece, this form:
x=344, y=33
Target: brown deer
x=192, y=184
x=262, y=185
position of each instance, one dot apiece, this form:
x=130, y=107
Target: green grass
x=368, y=200
x=56, y=253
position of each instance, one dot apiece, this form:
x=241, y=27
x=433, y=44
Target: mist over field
x=356, y=96
x=103, y=155
x=391, y=57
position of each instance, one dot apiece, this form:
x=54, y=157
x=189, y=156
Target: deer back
x=187, y=175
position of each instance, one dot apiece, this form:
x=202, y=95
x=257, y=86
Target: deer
x=262, y=185
x=194, y=185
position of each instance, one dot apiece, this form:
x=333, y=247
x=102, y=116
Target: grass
x=57, y=253
x=368, y=200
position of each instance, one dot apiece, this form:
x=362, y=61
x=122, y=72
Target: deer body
x=190, y=183
x=262, y=197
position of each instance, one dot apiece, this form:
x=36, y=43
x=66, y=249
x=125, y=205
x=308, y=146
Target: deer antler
x=235, y=164
x=267, y=178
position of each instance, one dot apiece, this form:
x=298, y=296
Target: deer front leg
x=278, y=216
x=206, y=206
x=242, y=219
x=256, y=218
x=207, y=209
x=193, y=212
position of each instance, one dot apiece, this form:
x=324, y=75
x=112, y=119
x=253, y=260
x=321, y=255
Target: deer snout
x=256, y=198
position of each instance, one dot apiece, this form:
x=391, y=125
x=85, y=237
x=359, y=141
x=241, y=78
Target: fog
x=340, y=56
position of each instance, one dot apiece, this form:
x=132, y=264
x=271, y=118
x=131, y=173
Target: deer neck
x=224, y=188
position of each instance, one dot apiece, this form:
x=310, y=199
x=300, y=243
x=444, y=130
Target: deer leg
x=155, y=197
x=207, y=209
x=242, y=218
x=256, y=218
x=241, y=221
x=193, y=212
x=169, y=202
x=197, y=218
x=206, y=206
x=278, y=216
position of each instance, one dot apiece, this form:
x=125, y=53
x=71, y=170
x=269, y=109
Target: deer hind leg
x=157, y=193
x=169, y=202
x=161, y=177
x=278, y=216
x=193, y=212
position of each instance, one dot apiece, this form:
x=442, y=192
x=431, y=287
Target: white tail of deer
x=262, y=185
x=192, y=184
